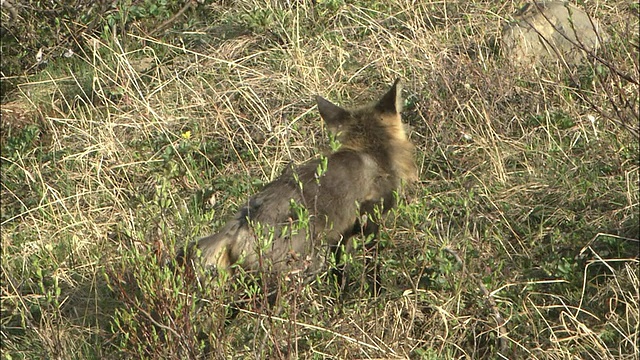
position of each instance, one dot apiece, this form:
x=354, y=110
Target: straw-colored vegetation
x=519, y=241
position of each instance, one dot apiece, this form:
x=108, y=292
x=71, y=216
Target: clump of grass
x=520, y=241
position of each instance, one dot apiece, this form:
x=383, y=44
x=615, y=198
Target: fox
x=309, y=213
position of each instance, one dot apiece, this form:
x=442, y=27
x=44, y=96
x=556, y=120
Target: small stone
x=544, y=32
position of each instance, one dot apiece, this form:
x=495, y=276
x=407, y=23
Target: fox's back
x=330, y=196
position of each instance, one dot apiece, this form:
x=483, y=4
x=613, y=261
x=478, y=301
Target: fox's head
x=376, y=129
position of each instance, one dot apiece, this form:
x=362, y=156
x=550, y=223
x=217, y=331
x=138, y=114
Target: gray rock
x=546, y=32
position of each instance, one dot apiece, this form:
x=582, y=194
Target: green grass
x=519, y=241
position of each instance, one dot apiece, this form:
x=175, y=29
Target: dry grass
x=521, y=240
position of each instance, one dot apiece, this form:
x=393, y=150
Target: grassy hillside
x=519, y=241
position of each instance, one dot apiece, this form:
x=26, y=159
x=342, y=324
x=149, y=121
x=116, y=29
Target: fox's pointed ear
x=333, y=115
x=391, y=102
